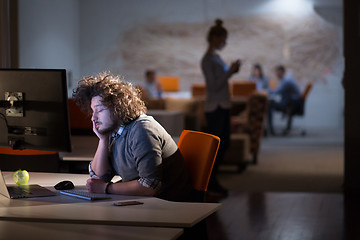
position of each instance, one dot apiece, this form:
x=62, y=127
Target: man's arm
x=281, y=89
x=100, y=164
x=218, y=77
x=97, y=185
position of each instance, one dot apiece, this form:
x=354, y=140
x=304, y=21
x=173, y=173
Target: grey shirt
x=288, y=90
x=146, y=152
x=217, y=75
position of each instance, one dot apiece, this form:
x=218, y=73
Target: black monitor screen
x=34, y=109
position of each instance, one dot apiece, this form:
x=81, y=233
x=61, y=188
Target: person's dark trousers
x=290, y=107
x=273, y=106
x=218, y=124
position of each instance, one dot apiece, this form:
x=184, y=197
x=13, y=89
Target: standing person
x=289, y=93
x=217, y=105
x=131, y=144
x=257, y=76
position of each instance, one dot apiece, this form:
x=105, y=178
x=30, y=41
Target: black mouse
x=64, y=185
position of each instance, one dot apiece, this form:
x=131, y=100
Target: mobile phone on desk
x=127, y=203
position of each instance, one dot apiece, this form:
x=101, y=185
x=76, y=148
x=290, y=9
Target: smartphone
x=127, y=203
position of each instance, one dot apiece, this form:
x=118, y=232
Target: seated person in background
x=257, y=76
x=288, y=91
x=152, y=87
x=131, y=144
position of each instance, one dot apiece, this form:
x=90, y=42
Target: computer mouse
x=64, y=185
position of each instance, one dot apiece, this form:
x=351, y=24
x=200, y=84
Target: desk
x=64, y=209
x=83, y=148
x=59, y=231
x=172, y=121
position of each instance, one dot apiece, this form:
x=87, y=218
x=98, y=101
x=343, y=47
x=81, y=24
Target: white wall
x=82, y=36
x=48, y=36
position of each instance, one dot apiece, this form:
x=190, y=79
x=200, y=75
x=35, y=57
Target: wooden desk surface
x=11, y=230
x=154, y=212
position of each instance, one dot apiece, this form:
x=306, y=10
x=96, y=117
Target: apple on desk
x=21, y=177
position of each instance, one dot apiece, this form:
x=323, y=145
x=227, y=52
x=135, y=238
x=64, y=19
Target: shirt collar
x=119, y=132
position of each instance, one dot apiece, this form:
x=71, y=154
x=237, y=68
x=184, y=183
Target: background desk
x=64, y=209
x=172, y=121
x=83, y=148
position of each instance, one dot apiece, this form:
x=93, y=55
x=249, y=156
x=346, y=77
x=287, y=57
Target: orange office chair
x=272, y=84
x=243, y=88
x=307, y=90
x=169, y=83
x=31, y=160
x=199, y=151
x=198, y=90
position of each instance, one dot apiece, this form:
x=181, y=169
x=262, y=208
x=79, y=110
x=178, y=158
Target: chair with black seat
x=199, y=151
x=247, y=132
x=296, y=108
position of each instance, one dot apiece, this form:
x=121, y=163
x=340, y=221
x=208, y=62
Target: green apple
x=21, y=177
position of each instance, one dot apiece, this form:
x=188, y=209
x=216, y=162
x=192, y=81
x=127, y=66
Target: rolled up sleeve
x=106, y=177
x=150, y=183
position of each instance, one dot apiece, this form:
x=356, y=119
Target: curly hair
x=119, y=96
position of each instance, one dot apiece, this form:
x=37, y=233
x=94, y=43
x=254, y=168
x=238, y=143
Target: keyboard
x=85, y=195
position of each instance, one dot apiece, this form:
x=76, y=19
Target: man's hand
x=235, y=66
x=96, y=185
x=99, y=135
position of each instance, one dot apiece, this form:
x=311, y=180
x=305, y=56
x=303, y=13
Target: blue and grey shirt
x=144, y=151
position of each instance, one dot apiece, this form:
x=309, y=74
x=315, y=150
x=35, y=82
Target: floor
x=314, y=163
x=295, y=192
x=280, y=216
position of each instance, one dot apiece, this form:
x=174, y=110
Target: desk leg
x=198, y=232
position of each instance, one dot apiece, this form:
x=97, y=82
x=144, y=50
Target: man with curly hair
x=131, y=144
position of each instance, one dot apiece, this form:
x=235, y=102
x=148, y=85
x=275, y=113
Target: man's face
x=219, y=42
x=102, y=117
x=279, y=73
x=150, y=78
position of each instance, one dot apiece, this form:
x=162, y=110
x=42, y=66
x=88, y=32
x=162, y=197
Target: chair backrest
x=307, y=90
x=272, y=84
x=78, y=119
x=199, y=151
x=198, y=90
x=169, y=83
x=31, y=160
x=257, y=106
x=10, y=151
x=243, y=88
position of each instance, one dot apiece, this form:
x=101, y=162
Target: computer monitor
x=34, y=109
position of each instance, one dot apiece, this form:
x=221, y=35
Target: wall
x=48, y=36
x=127, y=37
